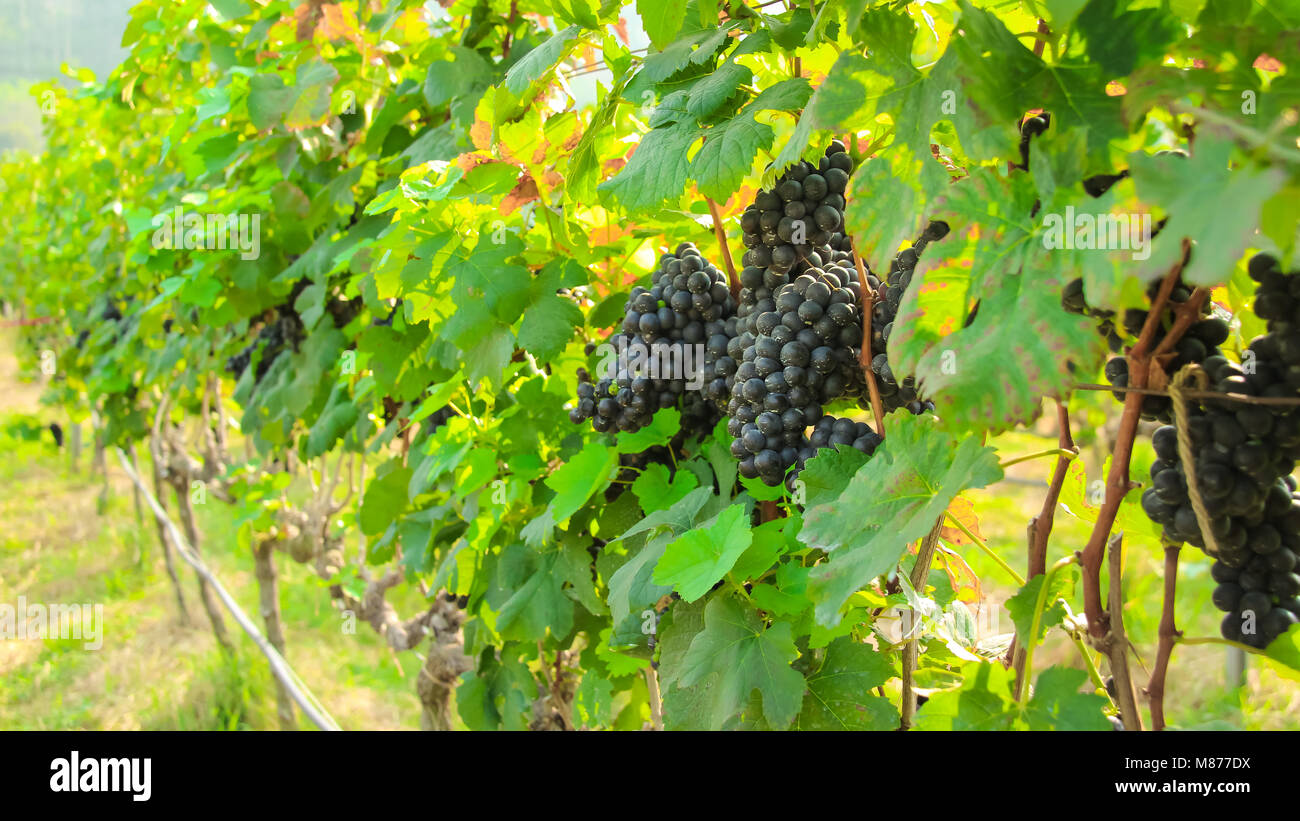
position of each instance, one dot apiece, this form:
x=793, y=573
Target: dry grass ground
x=64, y=540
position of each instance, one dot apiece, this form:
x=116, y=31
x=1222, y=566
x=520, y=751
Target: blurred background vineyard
x=38, y=38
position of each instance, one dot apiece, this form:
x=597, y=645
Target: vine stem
x=1249, y=135
x=1093, y=672
x=1180, y=639
x=1117, y=482
x=864, y=357
x=718, y=232
x=1067, y=455
x=1039, y=603
x=920, y=572
x=656, y=703
x=1042, y=34
x=1117, y=644
x=1040, y=527
x=1194, y=394
x=1155, y=688
x=988, y=551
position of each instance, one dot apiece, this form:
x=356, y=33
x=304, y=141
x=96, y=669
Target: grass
x=153, y=672
x=65, y=540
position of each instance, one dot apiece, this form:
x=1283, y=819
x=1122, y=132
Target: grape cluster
x=803, y=210
x=1073, y=301
x=831, y=431
x=688, y=304
x=1199, y=343
x=440, y=417
x=798, y=342
x=284, y=332
x=343, y=311
x=1032, y=127
x=1244, y=455
x=803, y=355
x=896, y=393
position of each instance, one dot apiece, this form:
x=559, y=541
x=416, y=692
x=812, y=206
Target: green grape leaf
x=459, y=76
x=770, y=540
x=1285, y=649
x=727, y=155
x=988, y=367
x=685, y=708
x=685, y=622
x=658, y=170
x=544, y=601
x=1021, y=605
x=484, y=277
x=268, y=99
x=339, y=416
x=839, y=694
x=709, y=94
x=787, y=95
x=497, y=695
x=983, y=702
x=825, y=476
x=662, y=19
x=578, y=479
x=1057, y=704
x=1182, y=186
x=746, y=656
x=1119, y=38
x=656, y=492
x=891, y=501
x=548, y=326
x=699, y=558
x=663, y=426
x=385, y=499
x=593, y=703
x=676, y=518
x=540, y=60
x=313, y=85
x=631, y=589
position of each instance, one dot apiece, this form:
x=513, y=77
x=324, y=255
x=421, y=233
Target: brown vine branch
x=1117, y=481
x=864, y=356
x=165, y=540
x=1042, y=34
x=656, y=703
x=268, y=593
x=279, y=667
x=1042, y=523
x=443, y=665
x=1168, y=635
x=1116, y=644
x=1040, y=527
x=1195, y=394
x=718, y=232
x=911, y=650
